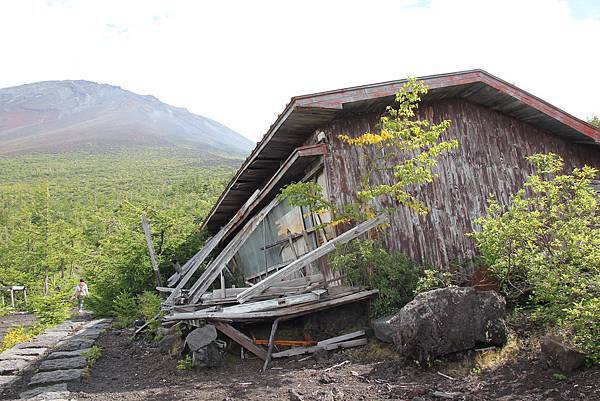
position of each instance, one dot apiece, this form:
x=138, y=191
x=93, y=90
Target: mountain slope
x=60, y=116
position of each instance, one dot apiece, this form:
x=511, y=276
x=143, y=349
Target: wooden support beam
x=151, y=252
x=270, y=347
x=241, y=339
x=215, y=268
x=311, y=256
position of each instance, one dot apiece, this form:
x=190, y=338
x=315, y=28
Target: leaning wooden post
x=148, y=235
x=25, y=295
x=12, y=297
x=271, y=339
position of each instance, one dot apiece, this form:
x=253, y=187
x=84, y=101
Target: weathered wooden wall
x=491, y=159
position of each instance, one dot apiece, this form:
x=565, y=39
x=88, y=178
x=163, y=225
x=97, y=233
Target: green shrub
x=124, y=309
x=185, y=363
x=93, y=355
x=432, y=279
x=544, y=247
x=51, y=309
x=367, y=263
x=149, y=305
x=14, y=336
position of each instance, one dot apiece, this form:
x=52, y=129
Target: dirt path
x=15, y=319
x=134, y=371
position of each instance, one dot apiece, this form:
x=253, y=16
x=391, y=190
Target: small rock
x=201, y=337
x=294, y=395
x=383, y=330
x=41, y=390
x=77, y=362
x=57, y=376
x=8, y=367
x=209, y=356
x=561, y=356
x=171, y=344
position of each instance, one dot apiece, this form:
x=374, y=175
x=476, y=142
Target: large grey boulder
x=448, y=320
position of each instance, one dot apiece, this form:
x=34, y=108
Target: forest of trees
x=75, y=215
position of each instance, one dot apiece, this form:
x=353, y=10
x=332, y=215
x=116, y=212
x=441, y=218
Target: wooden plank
x=328, y=347
x=341, y=338
x=241, y=339
x=311, y=256
x=294, y=311
x=165, y=289
x=261, y=306
x=215, y=268
x=206, y=250
x=151, y=251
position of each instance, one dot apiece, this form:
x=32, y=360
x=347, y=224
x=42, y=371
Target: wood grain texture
x=490, y=160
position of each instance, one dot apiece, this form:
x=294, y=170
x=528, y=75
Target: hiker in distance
x=81, y=291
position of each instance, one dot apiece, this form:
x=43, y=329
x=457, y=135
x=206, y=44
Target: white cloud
x=239, y=62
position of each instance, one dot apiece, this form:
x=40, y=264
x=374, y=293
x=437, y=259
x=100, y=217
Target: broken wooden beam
x=311, y=256
x=214, y=269
x=241, y=339
x=311, y=350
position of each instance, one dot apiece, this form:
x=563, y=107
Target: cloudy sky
x=239, y=62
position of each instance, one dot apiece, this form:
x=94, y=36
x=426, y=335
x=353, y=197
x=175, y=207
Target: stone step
x=68, y=354
x=77, y=362
x=7, y=381
x=57, y=376
x=55, y=388
x=12, y=366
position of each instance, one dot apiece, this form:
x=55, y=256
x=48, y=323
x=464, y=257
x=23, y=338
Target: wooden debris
x=241, y=339
x=311, y=350
x=215, y=268
x=294, y=311
x=336, y=366
x=311, y=256
x=191, y=266
x=446, y=376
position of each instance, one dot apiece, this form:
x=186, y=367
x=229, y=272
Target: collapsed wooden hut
x=278, y=249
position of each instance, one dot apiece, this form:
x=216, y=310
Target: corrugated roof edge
x=580, y=125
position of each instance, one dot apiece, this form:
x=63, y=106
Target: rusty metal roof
x=306, y=113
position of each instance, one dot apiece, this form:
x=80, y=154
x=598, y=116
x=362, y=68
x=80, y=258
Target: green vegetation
x=185, y=363
x=75, y=215
x=93, y=355
x=544, y=247
x=366, y=263
x=595, y=121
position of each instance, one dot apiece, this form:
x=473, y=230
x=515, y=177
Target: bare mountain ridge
x=60, y=116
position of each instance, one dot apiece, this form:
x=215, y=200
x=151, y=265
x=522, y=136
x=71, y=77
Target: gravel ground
x=136, y=371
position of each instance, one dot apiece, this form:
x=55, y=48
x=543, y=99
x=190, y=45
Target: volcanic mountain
x=62, y=116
